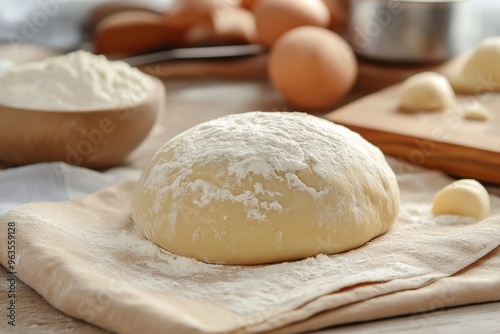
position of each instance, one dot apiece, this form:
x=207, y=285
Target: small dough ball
x=465, y=197
x=475, y=111
x=428, y=91
x=264, y=187
x=481, y=72
x=273, y=18
x=312, y=67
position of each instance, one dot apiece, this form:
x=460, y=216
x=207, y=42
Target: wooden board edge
x=453, y=159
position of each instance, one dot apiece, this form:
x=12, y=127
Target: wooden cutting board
x=441, y=140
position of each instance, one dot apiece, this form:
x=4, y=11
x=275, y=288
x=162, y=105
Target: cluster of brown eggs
x=309, y=63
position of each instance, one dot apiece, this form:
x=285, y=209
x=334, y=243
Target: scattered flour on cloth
x=252, y=289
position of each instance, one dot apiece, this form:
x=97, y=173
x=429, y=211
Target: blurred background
x=64, y=28
x=66, y=18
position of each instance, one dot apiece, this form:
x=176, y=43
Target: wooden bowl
x=96, y=139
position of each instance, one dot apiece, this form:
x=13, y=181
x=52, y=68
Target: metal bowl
x=413, y=31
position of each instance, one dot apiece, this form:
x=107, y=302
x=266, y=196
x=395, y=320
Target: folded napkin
x=85, y=257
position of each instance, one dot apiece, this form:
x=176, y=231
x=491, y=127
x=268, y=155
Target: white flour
x=76, y=81
x=244, y=290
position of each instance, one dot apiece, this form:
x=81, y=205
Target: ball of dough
x=466, y=198
x=481, y=72
x=263, y=187
x=426, y=91
x=475, y=111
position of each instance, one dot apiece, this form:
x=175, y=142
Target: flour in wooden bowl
x=75, y=81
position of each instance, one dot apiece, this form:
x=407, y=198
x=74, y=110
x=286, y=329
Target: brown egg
x=134, y=32
x=338, y=14
x=231, y=25
x=248, y=4
x=184, y=14
x=104, y=10
x=275, y=17
x=312, y=67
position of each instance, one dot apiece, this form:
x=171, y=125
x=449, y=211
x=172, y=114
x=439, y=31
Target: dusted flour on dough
x=75, y=81
x=263, y=187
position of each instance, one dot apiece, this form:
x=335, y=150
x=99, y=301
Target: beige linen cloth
x=85, y=258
